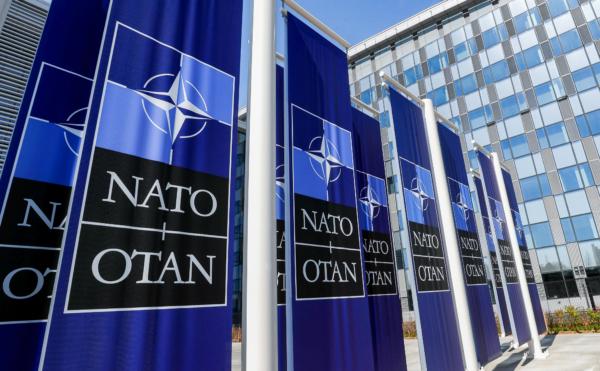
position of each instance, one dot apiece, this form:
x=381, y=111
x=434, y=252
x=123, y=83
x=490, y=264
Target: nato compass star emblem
x=418, y=190
x=74, y=125
x=463, y=206
x=280, y=182
x=369, y=202
x=182, y=103
x=325, y=159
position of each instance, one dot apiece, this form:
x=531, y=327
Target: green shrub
x=572, y=319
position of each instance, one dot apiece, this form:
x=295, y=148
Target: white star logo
x=74, y=125
x=369, y=202
x=182, y=103
x=325, y=159
x=463, y=206
x=418, y=191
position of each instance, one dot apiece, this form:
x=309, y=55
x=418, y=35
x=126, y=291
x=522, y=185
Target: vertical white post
x=259, y=313
x=534, y=345
x=457, y=282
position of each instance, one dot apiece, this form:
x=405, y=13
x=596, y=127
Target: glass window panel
x=438, y=96
x=461, y=51
x=570, y=178
x=545, y=185
x=584, y=227
x=542, y=139
x=473, y=46
x=590, y=252
x=544, y=93
x=563, y=156
x=577, y=202
x=586, y=175
x=563, y=256
x=555, y=46
x=568, y=230
x=536, y=17
x=533, y=56
x=584, y=79
x=520, y=60
x=466, y=85
x=519, y=145
x=582, y=126
x=557, y=134
x=477, y=118
x=542, y=235
x=557, y=7
x=593, y=120
x=509, y=106
x=500, y=70
x=594, y=28
x=490, y=38
x=536, y=211
x=570, y=41
x=522, y=22
x=525, y=167
x=530, y=189
x=548, y=260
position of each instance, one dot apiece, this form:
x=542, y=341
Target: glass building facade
x=521, y=78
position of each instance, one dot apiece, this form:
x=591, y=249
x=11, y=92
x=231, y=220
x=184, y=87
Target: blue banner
x=280, y=213
x=327, y=306
x=35, y=186
x=478, y=293
x=145, y=274
x=435, y=307
x=377, y=246
x=491, y=246
x=507, y=264
x=520, y=231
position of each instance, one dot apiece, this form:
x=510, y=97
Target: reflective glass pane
x=557, y=134
x=570, y=178
x=568, y=230
x=584, y=227
x=584, y=79
x=522, y=22
x=570, y=40
x=490, y=38
x=542, y=235
x=509, y=106
x=544, y=93
x=519, y=145
x=590, y=252
x=530, y=188
x=461, y=51
x=548, y=260
x=533, y=56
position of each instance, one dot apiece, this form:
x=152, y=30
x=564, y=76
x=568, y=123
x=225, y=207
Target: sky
x=354, y=20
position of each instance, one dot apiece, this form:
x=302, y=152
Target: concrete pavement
x=579, y=352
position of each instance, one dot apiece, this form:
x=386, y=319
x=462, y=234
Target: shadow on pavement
x=521, y=358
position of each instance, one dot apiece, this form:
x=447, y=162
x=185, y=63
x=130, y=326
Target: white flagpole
x=259, y=312
x=534, y=345
x=455, y=270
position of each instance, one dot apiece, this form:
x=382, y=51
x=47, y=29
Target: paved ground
x=565, y=353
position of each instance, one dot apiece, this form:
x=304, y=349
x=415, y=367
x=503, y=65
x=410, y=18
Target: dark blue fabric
x=491, y=246
x=165, y=339
x=437, y=316
x=478, y=295
x=384, y=306
x=515, y=303
x=69, y=47
x=280, y=210
x=326, y=333
x=532, y=286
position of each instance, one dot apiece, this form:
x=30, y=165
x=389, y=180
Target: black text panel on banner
x=490, y=244
x=36, y=181
x=327, y=307
x=506, y=261
x=378, y=249
x=145, y=275
x=520, y=232
x=478, y=294
x=437, y=320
